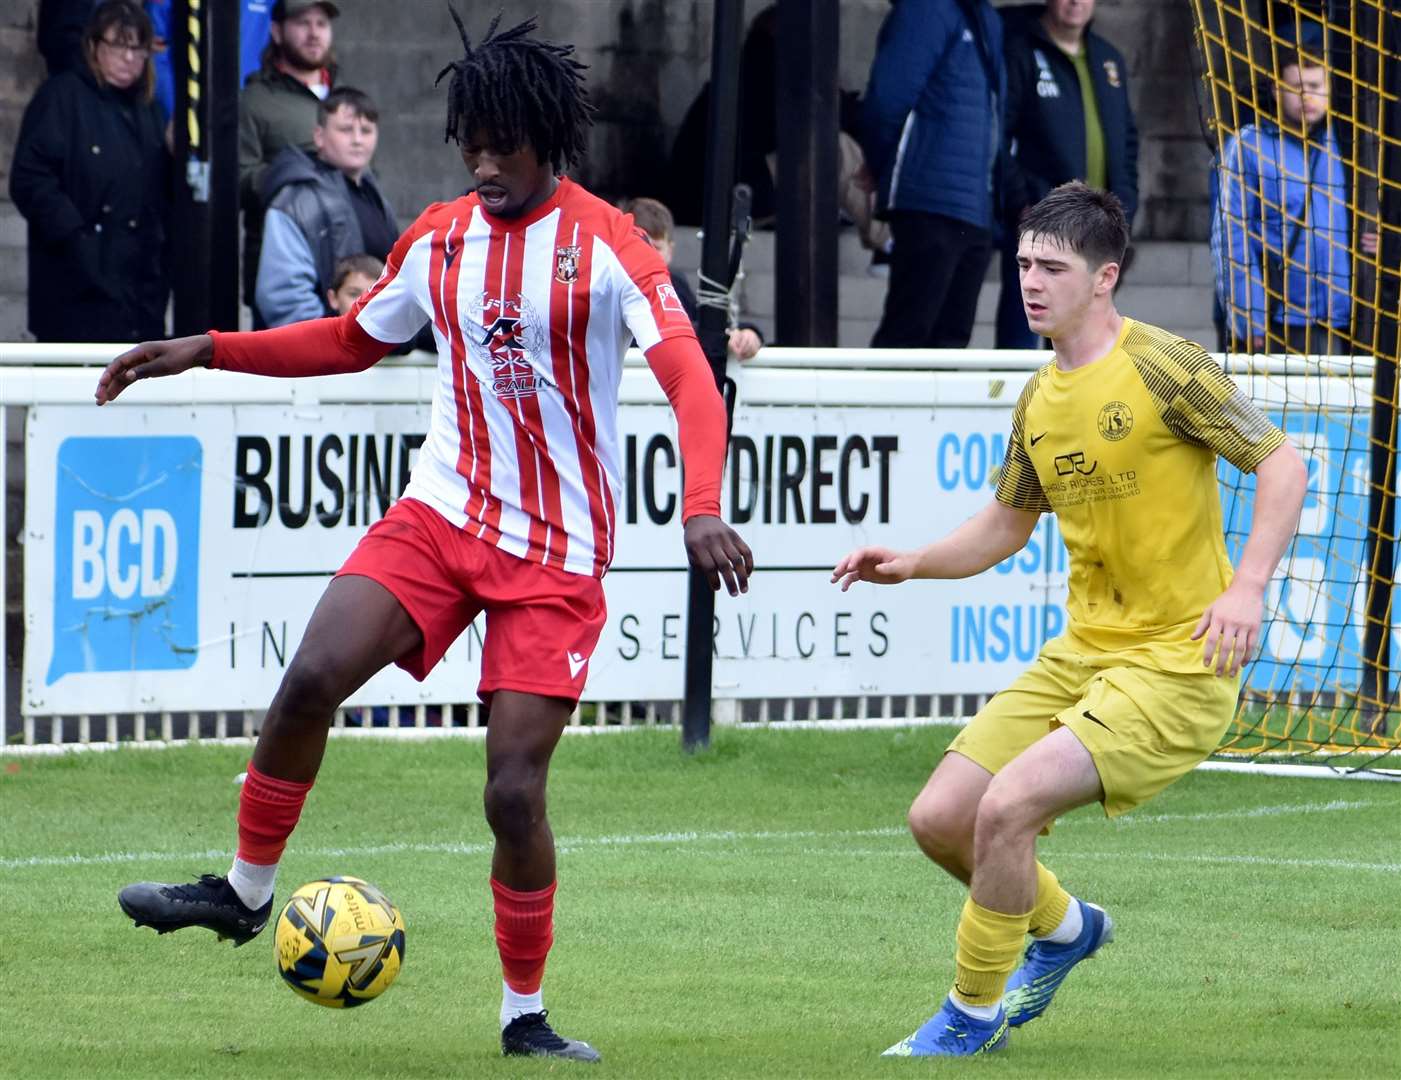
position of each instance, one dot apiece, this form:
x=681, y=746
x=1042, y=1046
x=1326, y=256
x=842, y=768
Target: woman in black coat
x=91, y=176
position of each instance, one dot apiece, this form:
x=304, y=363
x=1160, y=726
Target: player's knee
x=310, y=687
x=937, y=825
x=1003, y=812
x=514, y=806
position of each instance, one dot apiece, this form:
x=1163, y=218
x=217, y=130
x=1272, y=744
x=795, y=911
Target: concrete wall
x=647, y=58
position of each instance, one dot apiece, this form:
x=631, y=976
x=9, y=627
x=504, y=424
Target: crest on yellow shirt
x=1115, y=421
x=1111, y=72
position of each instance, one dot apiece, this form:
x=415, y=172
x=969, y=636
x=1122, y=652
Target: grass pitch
x=756, y=910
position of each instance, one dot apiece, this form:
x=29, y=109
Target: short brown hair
x=652, y=217
x=357, y=101
x=127, y=18
x=368, y=265
x=1087, y=220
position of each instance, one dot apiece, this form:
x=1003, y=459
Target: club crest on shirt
x=509, y=338
x=1115, y=421
x=567, y=264
x=1111, y=72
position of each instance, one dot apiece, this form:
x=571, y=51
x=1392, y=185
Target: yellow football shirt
x=1123, y=451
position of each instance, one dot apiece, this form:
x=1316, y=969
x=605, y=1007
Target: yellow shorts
x=1143, y=728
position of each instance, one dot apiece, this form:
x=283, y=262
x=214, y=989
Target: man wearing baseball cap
x=278, y=109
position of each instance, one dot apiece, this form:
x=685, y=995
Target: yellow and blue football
x=339, y=942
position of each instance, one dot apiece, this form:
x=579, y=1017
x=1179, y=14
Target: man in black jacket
x=1068, y=118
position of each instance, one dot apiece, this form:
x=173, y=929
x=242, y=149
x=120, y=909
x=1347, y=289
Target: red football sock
x=524, y=933
x=268, y=809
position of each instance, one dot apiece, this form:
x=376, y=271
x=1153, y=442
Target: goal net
x=1299, y=103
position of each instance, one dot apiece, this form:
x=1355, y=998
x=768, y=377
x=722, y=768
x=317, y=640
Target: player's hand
x=1231, y=626
x=150, y=360
x=744, y=343
x=883, y=566
x=1369, y=243
x=716, y=551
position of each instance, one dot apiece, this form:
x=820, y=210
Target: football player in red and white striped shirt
x=534, y=289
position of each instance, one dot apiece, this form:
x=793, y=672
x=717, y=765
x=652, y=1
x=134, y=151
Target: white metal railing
x=32, y=354
x=448, y=719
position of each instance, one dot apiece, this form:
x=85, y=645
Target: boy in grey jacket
x=322, y=209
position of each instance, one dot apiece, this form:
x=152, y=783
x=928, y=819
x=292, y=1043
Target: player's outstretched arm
x=1231, y=625
x=150, y=360
x=313, y=347
x=984, y=540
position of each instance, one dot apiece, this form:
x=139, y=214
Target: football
x=339, y=942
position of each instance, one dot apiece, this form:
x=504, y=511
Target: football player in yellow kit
x=1118, y=437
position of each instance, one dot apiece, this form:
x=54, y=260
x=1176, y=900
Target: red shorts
x=542, y=624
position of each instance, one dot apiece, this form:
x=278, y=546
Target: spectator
x=352, y=279
x=655, y=219
x=91, y=177
x=757, y=163
x=322, y=209
x=933, y=136
x=758, y=129
x=278, y=108
x=1280, y=236
x=254, y=19
x=1068, y=118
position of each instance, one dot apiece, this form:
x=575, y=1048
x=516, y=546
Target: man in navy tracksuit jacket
x=1068, y=118
x=932, y=132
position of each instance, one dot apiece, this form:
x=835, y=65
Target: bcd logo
x=126, y=554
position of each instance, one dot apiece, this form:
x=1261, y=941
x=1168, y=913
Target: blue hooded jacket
x=1284, y=203
x=932, y=120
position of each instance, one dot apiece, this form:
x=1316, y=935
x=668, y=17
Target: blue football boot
x=951, y=1032
x=1045, y=966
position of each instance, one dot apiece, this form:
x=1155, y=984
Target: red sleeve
x=651, y=306
x=681, y=368
x=314, y=347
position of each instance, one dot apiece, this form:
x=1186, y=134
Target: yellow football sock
x=989, y=946
x=1052, y=902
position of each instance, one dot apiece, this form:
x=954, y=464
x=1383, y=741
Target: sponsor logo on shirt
x=666, y=295
x=1074, y=462
x=512, y=338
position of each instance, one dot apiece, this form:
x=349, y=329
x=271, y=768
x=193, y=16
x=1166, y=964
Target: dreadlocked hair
x=518, y=89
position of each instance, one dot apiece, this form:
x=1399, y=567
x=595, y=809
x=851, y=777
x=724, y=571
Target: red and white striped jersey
x=532, y=317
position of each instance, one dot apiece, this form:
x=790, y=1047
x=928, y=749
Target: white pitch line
x=1238, y=860
x=1249, y=812
x=1141, y=856
x=571, y=845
